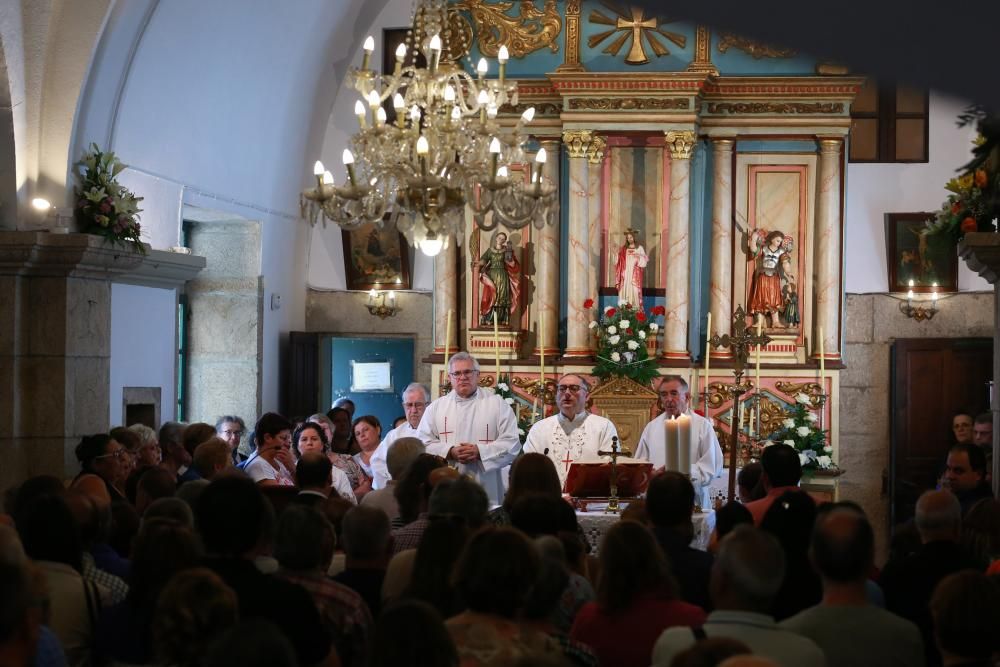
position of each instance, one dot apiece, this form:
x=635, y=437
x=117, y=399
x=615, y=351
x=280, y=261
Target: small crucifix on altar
x=616, y=451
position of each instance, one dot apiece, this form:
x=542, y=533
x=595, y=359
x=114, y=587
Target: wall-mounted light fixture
x=381, y=304
x=918, y=310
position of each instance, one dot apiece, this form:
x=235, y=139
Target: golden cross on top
x=632, y=22
x=741, y=341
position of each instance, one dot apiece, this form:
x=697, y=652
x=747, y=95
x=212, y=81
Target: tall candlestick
x=496, y=343
x=447, y=340
x=760, y=328
x=822, y=360
x=541, y=348
x=708, y=356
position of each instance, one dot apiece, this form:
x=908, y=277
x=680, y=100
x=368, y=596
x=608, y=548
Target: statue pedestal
x=483, y=344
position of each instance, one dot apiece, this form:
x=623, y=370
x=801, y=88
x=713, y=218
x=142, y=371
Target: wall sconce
x=381, y=304
x=920, y=312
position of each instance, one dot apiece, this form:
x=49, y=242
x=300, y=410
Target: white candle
x=447, y=341
x=671, y=444
x=760, y=328
x=708, y=347
x=496, y=343
x=541, y=348
x=822, y=360
x=684, y=444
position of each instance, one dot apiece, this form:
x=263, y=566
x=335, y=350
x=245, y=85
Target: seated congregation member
x=173, y=457
x=148, y=452
x=981, y=533
x=234, y=521
x=413, y=494
x=104, y=457
x=416, y=397
x=572, y=434
x=311, y=437
x=472, y=427
x=727, y=517
x=790, y=520
x=402, y=453
x=211, y=457
x=746, y=576
x=982, y=437
x=20, y=622
x=965, y=608
x=842, y=550
x=961, y=427
x=365, y=535
x=909, y=580
x=531, y=474
x=367, y=433
x=131, y=441
x=194, y=609
x=781, y=472
x=494, y=577
x=232, y=429
x=343, y=435
x=92, y=513
x=153, y=484
x=748, y=484
x=194, y=434
x=254, y=642
x=345, y=404
x=706, y=454
x=271, y=466
x=162, y=549
x=410, y=632
x=670, y=506
x=965, y=475
x=304, y=546
x=636, y=599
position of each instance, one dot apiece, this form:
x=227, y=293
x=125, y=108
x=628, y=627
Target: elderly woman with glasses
x=572, y=434
x=105, y=457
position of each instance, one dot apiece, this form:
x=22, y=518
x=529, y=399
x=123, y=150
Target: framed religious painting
x=913, y=261
x=376, y=258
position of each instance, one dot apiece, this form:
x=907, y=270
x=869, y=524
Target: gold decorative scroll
x=541, y=108
x=629, y=103
x=632, y=23
x=771, y=415
x=530, y=386
x=775, y=107
x=680, y=143
x=528, y=31
x=752, y=48
x=571, y=55
x=597, y=147
x=811, y=389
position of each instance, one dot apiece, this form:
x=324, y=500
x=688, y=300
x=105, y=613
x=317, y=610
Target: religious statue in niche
x=500, y=282
x=773, y=299
x=629, y=270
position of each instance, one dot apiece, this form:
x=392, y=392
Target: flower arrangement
x=799, y=431
x=974, y=202
x=104, y=206
x=621, y=342
x=524, y=418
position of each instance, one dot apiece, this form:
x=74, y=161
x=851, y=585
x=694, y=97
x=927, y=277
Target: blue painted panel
x=765, y=146
x=385, y=405
x=596, y=60
x=701, y=246
x=735, y=62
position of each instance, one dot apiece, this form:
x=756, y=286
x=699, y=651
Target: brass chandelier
x=445, y=150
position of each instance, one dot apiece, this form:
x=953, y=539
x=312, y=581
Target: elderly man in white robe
x=572, y=434
x=472, y=427
x=416, y=398
x=706, y=454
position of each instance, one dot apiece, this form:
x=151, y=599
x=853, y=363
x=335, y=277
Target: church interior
x=727, y=187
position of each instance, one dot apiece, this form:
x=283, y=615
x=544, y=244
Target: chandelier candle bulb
x=481, y=68
x=327, y=178
x=539, y=164
x=422, y=149
x=449, y=93
x=435, y=48
x=318, y=172
x=380, y=117
x=399, y=106
x=502, y=56
x=684, y=445
x=369, y=47
x=348, y=159
x=392, y=298
x=359, y=111
x=494, y=156
x=483, y=100
x=502, y=173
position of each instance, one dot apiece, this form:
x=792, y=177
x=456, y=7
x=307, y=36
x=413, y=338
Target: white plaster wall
x=876, y=189
x=143, y=345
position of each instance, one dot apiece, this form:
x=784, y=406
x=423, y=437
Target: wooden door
x=932, y=378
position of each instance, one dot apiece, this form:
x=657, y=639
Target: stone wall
x=344, y=313
x=873, y=323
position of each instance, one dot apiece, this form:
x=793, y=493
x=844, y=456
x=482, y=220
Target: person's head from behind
x=212, y=457
x=463, y=497
x=153, y=484
x=366, y=535
x=536, y=515
x=195, y=434
x=965, y=468
x=402, y=453
x=313, y=471
x=496, y=572
x=781, y=466
x=252, y=642
x=532, y=473
x=341, y=420
x=325, y=423
x=411, y=632
x=938, y=516
x=553, y=578
x=305, y=540
x=842, y=548
x=48, y=531
x=309, y=437
x=172, y=509
x=982, y=430
x=727, y=517
x=670, y=500
x=981, y=531
x=965, y=608
x=790, y=519
x=346, y=404
x=413, y=489
x=631, y=564
x=131, y=441
x=162, y=549
x=171, y=439
x=748, y=571
x=748, y=482
x=961, y=426
x=195, y=607
x=232, y=517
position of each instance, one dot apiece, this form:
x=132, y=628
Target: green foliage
x=622, y=333
x=103, y=205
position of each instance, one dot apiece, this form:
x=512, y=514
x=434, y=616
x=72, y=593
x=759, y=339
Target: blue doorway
x=372, y=372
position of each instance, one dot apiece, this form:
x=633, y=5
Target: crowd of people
x=323, y=541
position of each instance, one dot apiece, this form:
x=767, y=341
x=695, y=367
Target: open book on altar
x=593, y=479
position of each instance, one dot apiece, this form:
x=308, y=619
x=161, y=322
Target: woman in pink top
x=636, y=600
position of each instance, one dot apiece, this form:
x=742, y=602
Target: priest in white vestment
x=416, y=397
x=573, y=434
x=472, y=427
x=706, y=454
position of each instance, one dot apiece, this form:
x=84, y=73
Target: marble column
x=446, y=298
x=595, y=179
x=547, y=262
x=828, y=288
x=578, y=280
x=721, y=282
x=675, y=338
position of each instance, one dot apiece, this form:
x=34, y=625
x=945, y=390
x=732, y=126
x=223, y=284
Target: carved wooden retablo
x=627, y=404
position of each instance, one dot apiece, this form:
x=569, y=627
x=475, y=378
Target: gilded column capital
x=578, y=143
x=830, y=145
x=723, y=143
x=597, y=147
x=680, y=143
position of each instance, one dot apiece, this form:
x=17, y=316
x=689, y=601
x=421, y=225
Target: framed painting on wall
x=915, y=263
x=376, y=258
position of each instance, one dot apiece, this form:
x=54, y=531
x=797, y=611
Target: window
x=888, y=124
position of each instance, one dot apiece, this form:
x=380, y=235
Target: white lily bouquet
x=800, y=431
x=523, y=414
